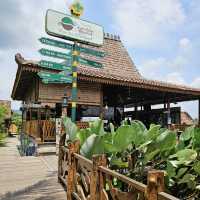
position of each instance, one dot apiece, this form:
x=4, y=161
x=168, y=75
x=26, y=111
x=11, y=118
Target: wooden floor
x=31, y=178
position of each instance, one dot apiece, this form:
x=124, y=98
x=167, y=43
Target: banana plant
x=154, y=148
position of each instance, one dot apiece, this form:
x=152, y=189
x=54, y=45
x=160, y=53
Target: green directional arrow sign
x=55, y=77
x=90, y=63
x=55, y=54
x=46, y=81
x=92, y=52
x=68, y=46
x=54, y=65
x=56, y=43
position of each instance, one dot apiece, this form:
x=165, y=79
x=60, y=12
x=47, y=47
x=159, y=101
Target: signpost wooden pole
x=75, y=56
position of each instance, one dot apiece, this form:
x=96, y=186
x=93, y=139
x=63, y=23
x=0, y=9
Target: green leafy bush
x=153, y=148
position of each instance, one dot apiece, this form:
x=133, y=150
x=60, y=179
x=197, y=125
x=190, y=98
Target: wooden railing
x=43, y=129
x=48, y=130
x=91, y=179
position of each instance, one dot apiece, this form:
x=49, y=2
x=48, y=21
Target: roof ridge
x=112, y=37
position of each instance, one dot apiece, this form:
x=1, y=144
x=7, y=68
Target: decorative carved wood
x=92, y=180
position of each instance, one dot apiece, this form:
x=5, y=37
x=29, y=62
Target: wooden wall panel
x=88, y=93
x=30, y=94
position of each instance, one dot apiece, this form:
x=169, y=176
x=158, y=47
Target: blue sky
x=162, y=36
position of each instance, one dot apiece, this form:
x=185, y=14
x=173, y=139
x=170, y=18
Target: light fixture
x=65, y=101
x=106, y=107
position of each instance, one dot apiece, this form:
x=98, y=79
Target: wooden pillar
x=71, y=171
x=101, y=103
x=155, y=184
x=136, y=112
x=98, y=160
x=168, y=114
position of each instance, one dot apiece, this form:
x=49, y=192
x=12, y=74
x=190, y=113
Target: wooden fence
x=91, y=179
x=43, y=129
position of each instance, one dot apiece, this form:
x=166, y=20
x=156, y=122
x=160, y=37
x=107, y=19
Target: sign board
x=68, y=46
x=54, y=65
x=90, y=63
x=91, y=52
x=55, y=54
x=71, y=28
x=54, y=78
x=56, y=43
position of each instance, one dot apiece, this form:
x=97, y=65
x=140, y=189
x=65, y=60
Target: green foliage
x=3, y=113
x=17, y=119
x=153, y=148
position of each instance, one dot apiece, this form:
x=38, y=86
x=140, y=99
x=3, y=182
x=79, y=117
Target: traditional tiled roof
x=118, y=69
x=186, y=118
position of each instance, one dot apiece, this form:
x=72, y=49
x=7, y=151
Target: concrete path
x=31, y=178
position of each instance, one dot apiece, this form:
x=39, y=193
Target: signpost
x=70, y=28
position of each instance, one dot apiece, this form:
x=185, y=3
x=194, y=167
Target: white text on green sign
x=67, y=27
x=68, y=46
x=55, y=77
x=54, y=65
x=55, y=54
x=90, y=62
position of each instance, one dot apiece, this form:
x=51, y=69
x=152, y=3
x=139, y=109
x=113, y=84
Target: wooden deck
x=28, y=178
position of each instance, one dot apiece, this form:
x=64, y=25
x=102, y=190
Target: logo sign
x=68, y=27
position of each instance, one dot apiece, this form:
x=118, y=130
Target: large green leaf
x=185, y=156
x=181, y=172
x=70, y=129
x=171, y=169
x=187, y=134
x=196, y=167
x=150, y=155
x=189, y=179
x=140, y=133
x=83, y=134
x=94, y=144
x=142, y=127
x=153, y=132
x=97, y=127
x=196, y=139
x=166, y=141
x=124, y=136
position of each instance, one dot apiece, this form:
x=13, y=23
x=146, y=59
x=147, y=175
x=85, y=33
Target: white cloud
x=144, y=23
x=184, y=43
x=22, y=24
x=176, y=78
x=196, y=82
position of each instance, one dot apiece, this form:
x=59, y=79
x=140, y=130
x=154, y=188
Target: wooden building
x=103, y=92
